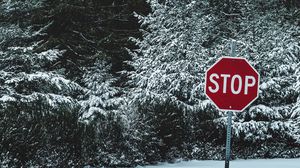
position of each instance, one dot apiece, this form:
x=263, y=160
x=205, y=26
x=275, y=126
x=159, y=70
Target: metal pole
x=228, y=139
x=233, y=46
x=229, y=119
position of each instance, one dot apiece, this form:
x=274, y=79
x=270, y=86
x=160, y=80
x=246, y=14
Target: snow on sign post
x=231, y=84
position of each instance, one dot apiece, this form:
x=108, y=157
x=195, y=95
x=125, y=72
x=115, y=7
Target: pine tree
x=274, y=52
x=182, y=39
x=168, y=65
x=39, y=110
x=60, y=61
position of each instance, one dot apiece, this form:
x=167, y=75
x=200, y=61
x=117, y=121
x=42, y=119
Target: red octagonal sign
x=232, y=83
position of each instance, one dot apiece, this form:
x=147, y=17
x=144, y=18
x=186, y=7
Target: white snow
x=7, y=98
x=251, y=163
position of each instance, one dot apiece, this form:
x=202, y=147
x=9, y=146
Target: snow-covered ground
x=258, y=163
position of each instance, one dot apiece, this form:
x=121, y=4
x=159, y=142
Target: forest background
x=120, y=83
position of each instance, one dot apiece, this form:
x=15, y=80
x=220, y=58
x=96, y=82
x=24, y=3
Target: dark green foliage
x=33, y=133
x=168, y=123
x=104, y=142
x=49, y=49
x=85, y=28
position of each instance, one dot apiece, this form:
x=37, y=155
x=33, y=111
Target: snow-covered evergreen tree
x=63, y=102
x=182, y=39
x=101, y=112
x=169, y=72
x=270, y=43
x=38, y=106
x=59, y=61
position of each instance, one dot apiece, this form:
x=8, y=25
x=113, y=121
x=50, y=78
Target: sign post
x=232, y=85
x=228, y=139
x=229, y=121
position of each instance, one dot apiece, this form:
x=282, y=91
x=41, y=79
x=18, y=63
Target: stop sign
x=232, y=83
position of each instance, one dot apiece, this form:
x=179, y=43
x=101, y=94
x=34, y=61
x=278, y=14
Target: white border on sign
x=258, y=84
